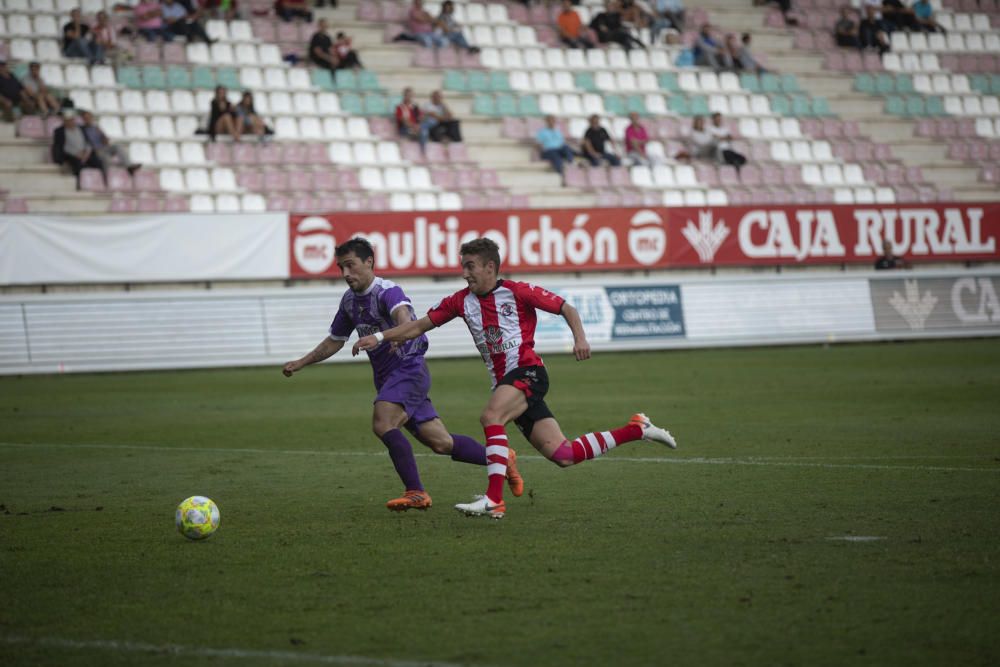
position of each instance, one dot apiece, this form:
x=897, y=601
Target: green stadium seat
x=780, y=105
x=904, y=84
x=770, y=83
x=367, y=81
x=352, y=104
x=376, y=105
x=864, y=83
x=915, y=106
x=479, y=81
x=506, y=105
x=980, y=82
x=528, y=106
x=935, y=106
x=178, y=77
x=499, y=82
x=668, y=81
x=455, y=80
x=750, y=82
x=228, y=77
x=153, y=78
x=635, y=103
x=323, y=79
x=821, y=107
x=585, y=81
x=885, y=84
x=699, y=105
x=20, y=70
x=800, y=106
x=614, y=104
x=130, y=77
x=895, y=105
x=679, y=104
x=202, y=77
x=345, y=79
x=483, y=105
x=790, y=84
x=994, y=84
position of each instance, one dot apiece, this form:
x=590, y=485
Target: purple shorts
x=408, y=386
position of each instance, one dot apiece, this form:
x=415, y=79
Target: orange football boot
x=514, y=480
x=410, y=500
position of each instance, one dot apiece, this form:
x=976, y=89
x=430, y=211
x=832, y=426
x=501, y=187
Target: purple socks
x=467, y=450
x=401, y=454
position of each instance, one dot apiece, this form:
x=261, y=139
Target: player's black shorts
x=533, y=381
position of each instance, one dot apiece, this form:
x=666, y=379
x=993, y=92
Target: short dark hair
x=484, y=248
x=359, y=246
x=34, y=63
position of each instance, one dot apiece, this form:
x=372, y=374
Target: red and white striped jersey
x=502, y=323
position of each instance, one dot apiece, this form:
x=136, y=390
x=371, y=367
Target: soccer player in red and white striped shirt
x=501, y=316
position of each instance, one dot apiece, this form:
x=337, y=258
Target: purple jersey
x=371, y=312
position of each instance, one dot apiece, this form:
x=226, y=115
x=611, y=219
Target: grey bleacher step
x=22, y=152
x=34, y=178
x=855, y=105
x=954, y=176
x=75, y=203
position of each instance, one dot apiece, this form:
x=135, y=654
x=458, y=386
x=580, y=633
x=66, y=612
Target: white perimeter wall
x=133, y=331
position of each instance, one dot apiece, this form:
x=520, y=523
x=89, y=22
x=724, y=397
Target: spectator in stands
x=666, y=14
x=700, y=142
x=553, y=145
x=344, y=53
x=634, y=16
x=421, y=27
x=77, y=42
x=596, y=141
x=898, y=16
x=872, y=31
x=12, y=94
x=43, y=99
x=742, y=57
x=321, y=47
x=888, y=259
x=785, y=6
x=227, y=10
x=148, y=17
x=408, y=116
x=571, y=30
x=636, y=138
x=70, y=146
x=289, y=10
x=107, y=152
x=450, y=28
x=437, y=122
x=106, y=37
x=180, y=22
x=609, y=27
x=248, y=119
x=222, y=116
x=924, y=13
x=845, y=31
x=723, y=137
x=709, y=52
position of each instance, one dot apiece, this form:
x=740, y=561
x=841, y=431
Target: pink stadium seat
x=15, y=205
x=146, y=180
x=119, y=180
x=278, y=203
x=369, y=11
x=831, y=129
x=443, y=178
x=330, y=202
x=219, y=153
x=92, y=180
x=574, y=177
x=177, y=205
x=378, y=202
x=149, y=205
x=304, y=202
x=249, y=179
x=979, y=151
x=383, y=127
x=706, y=174
x=995, y=151
x=967, y=128
x=843, y=150
x=850, y=128
x=245, y=154
x=467, y=179
x=958, y=151
x=435, y=153
x=824, y=40
x=275, y=181
x=31, y=127
x=123, y=205
x=804, y=40
x=411, y=152
x=772, y=174
x=325, y=180
x=458, y=153
x=497, y=199
x=473, y=201
x=514, y=128
x=926, y=127
x=618, y=176
x=316, y=154
x=739, y=197
x=266, y=154
x=539, y=13
x=791, y=174
x=873, y=173
x=264, y=30
x=293, y=153
x=774, y=20
x=750, y=175
x=488, y=178
x=728, y=176
x=392, y=12
x=893, y=175
x=173, y=54
x=348, y=180
x=301, y=181
x=467, y=60
x=597, y=177
x=834, y=60
x=609, y=199
x=147, y=52
x=883, y=152
x=447, y=58
x=631, y=198
x=51, y=123
x=424, y=57
x=914, y=175
x=872, y=62
x=355, y=201
x=517, y=13
x=287, y=32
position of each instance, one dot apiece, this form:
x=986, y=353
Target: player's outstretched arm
x=326, y=349
x=398, y=334
x=581, y=348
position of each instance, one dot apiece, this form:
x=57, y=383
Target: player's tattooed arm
x=581, y=348
x=326, y=349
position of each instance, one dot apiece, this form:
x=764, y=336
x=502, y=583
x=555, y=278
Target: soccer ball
x=197, y=518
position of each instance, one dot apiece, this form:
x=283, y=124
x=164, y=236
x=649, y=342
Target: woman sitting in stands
x=247, y=117
x=222, y=118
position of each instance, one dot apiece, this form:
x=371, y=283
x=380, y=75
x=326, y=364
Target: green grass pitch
x=729, y=551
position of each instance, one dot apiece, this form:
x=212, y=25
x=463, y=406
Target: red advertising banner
x=619, y=239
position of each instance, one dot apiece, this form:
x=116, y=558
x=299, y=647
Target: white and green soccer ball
x=197, y=518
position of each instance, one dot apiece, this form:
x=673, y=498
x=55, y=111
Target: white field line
x=789, y=462
x=119, y=646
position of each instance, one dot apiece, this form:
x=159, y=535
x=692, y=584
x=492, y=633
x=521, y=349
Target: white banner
x=155, y=248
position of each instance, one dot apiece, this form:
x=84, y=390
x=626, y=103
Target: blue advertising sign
x=646, y=312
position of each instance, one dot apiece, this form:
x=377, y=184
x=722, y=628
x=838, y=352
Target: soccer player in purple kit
x=370, y=306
